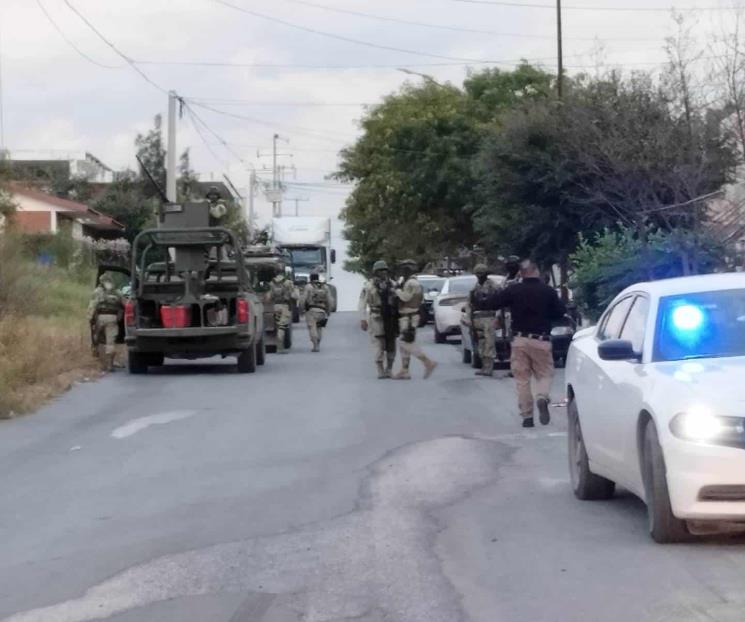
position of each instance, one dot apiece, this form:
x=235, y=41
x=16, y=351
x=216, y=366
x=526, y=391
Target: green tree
x=7, y=206
x=125, y=201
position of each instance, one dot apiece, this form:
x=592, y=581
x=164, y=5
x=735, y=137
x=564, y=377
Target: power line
x=126, y=58
x=530, y=5
x=331, y=35
x=70, y=42
x=480, y=31
x=219, y=138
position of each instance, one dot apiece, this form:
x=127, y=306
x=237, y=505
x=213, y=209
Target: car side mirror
x=333, y=255
x=617, y=350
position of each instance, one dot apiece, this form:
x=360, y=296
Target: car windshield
x=461, y=285
x=430, y=283
x=701, y=325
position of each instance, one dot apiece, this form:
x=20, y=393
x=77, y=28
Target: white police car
x=657, y=403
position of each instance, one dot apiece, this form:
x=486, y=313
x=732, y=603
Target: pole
x=560, y=79
x=2, y=121
x=251, y=188
x=171, y=152
x=275, y=185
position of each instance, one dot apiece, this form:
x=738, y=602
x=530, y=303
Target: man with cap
x=317, y=301
x=410, y=295
x=104, y=312
x=378, y=310
x=483, y=319
x=282, y=293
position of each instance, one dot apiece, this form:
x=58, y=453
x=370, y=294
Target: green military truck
x=191, y=294
x=263, y=264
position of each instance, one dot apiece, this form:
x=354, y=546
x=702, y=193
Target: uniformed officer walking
x=410, y=294
x=378, y=316
x=534, y=307
x=317, y=301
x=282, y=292
x=483, y=319
x=104, y=312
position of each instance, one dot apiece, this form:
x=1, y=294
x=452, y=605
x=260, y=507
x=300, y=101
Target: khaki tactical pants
x=531, y=359
x=407, y=325
x=282, y=319
x=385, y=345
x=107, y=326
x=312, y=317
x=486, y=333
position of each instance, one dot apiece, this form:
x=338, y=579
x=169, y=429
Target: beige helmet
x=481, y=269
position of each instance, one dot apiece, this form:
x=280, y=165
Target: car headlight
x=699, y=424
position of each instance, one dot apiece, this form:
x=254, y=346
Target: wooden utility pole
x=560, y=42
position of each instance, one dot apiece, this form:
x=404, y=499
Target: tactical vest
x=280, y=293
x=318, y=297
x=109, y=305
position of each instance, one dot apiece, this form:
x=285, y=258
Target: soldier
x=410, y=295
x=534, y=306
x=483, y=319
x=282, y=292
x=104, y=312
x=317, y=300
x=378, y=316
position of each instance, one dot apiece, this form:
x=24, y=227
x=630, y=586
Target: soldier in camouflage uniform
x=317, y=300
x=378, y=316
x=483, y=319
x=410, y=295
x=282, y=293
x=104, y=312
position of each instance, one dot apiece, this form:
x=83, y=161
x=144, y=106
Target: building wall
x=30, y=205
x=32, y=222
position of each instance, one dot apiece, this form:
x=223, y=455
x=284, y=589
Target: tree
x=187, y=179
x=152, y=154
x=7, y=206
x=125, y=201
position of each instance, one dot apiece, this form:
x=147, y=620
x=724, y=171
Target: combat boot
x=429, y=366
x=389, y=368
x=403, y=374
x=108, y=362
x=316, y=347
x=487, y=368
x=381, y=371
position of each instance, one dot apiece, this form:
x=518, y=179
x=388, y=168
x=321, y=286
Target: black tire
x=586, y=485
x=261, y=352
x=156, y=359
x=664, y=527
x=288, y=338
x=271, y=349
x=467, y=356
x=439, y=337
x=137, y=362
x=247, y=361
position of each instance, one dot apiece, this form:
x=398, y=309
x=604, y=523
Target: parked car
x=656, y=405
x=432, y=286
x=449, y=304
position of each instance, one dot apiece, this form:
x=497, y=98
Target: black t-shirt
x=534, y=306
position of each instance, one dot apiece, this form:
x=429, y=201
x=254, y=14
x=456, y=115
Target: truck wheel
x=247, y=361
x=467, y=356
x=137, y=362
x=664, y=527
x=156, y=359
x=261, y=352
x=288, y=338
x=586, y=485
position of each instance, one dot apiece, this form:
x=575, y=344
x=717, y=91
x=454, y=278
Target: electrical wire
x=530, y=5
x=71, y=43
x=126, y=58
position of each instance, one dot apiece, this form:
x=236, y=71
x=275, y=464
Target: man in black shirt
x=534, y=307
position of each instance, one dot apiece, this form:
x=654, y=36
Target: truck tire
x=586, y=485
x=137, y=362
x=288, y=338
x=247, y=361
x=261, y=352
x=664, y=527
x=156, y=359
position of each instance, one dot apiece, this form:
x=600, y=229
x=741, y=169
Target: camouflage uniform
x=317, y=299
x=484, y=321
x=372, y=320
x=411, y=295
x=104, y=310
x=282, y=292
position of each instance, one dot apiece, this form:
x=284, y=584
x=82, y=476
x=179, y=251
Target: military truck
x=191, y=294
x=263, y=264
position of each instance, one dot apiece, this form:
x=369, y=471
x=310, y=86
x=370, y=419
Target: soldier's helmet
x=481, y=269
x=409, y=263
x=314, y=276
x=380, y=265
x=213, y=194
x=105, y=279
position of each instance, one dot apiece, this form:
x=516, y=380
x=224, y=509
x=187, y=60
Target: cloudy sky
x=254, y=68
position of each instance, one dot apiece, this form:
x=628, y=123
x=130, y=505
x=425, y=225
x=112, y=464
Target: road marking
x=141, y=423
x=517, y=436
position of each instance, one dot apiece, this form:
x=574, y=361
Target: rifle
x=389, y=309
x=474, y=332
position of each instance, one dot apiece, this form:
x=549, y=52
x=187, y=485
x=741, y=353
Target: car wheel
x=586, y=485
x=247, y=361
x=137, y=362
x=663, y=526
x=156, y=359
x=261, y=353
x=422, y=320
x=467, y=356
x=439, y=337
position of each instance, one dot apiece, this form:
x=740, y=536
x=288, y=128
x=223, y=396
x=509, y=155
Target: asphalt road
x=313, y=492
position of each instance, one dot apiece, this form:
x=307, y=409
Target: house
x=42, y=165
x=39, y=212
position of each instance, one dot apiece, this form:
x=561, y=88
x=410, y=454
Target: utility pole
x=560, y=79
x=276, y=204
x=2, y=122
x=251, y=190
x=171, y=150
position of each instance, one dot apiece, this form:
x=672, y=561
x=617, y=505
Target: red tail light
x=129, y=313
x=241, y=309
x=175, y=316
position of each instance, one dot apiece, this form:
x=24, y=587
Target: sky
x=265, y=72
